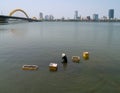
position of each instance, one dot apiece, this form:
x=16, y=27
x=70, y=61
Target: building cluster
x=95, y=17
x=46, y=17
x=77, y=17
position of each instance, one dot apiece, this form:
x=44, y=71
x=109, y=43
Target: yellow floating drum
x=53, y=67
x=29, y=67
x=85, y=55
x=76, y=59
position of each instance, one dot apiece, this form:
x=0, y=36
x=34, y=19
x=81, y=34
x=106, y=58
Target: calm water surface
x=43, y=43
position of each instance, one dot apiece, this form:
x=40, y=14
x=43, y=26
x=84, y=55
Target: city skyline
x=94, y=17
x=62, y=8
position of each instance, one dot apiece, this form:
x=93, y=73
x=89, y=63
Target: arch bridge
x=4, y=18
x=16, y=10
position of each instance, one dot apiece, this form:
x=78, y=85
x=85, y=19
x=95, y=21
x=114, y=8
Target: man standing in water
x=64, y=58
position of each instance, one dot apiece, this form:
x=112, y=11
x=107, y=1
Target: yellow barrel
x=85, y=55
x=29, y=67
x=53, y=67
x=76, y=59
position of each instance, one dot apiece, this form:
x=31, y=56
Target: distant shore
x=71, y=20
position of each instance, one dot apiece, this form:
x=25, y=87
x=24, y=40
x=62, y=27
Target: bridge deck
x=4, y=18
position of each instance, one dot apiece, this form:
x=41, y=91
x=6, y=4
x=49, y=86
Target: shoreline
x=79, y=21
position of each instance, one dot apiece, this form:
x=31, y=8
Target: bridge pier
x=3, y=20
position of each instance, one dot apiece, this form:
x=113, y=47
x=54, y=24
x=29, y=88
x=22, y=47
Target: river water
x=43, y=42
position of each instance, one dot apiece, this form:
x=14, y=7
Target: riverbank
x=71, y=20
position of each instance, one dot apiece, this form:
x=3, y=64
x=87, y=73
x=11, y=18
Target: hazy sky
x=60, y=8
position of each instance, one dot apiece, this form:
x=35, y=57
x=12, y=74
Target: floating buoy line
x=54, y=66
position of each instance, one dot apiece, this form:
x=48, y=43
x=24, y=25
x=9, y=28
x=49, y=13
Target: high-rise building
x=111, y=13
x=76, y=15
x=46, y=17
x=88, y=18
x=41, y=16
x=95, y=17
x=51, y=17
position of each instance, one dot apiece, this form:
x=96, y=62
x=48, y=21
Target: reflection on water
x=42, y=43
x=64, y=66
